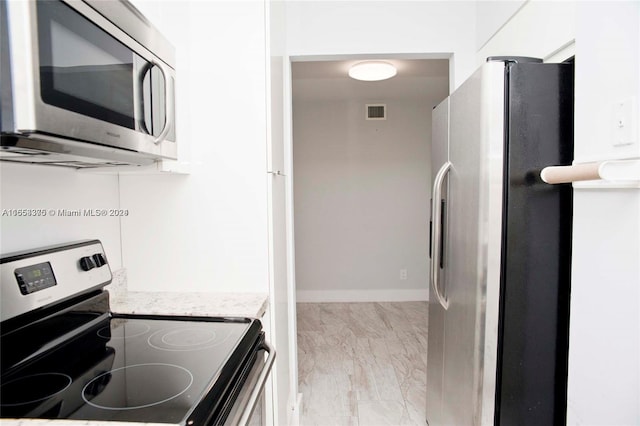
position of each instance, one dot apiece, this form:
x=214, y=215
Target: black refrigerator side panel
x=536, y=255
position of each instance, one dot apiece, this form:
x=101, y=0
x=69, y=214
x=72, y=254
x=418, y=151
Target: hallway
x=362, y=364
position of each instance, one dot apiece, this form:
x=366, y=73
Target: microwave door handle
x=437, y=232
x=168, y=104
x=139, y=88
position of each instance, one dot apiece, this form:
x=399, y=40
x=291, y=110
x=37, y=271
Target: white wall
x=608, y=71
x=604, y=349
x=24, y=186
x=439, y=28
x=604, y=358
x=361, y=194
x=604, y=352
x=207, y=231
x=491, y=16
x=539, y=29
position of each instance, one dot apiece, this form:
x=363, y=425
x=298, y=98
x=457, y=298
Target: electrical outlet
x=625, y=122
x=403, y=274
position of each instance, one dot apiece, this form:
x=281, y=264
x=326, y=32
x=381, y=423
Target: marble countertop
x=252, y=305
x=207, y=304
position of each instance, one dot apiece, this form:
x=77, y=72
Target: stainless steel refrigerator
x=501, y=248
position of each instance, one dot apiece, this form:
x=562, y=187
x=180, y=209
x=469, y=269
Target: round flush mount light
x=372, y=71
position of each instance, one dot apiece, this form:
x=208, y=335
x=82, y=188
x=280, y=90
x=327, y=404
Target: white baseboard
x=294, y=419
x=319, y=296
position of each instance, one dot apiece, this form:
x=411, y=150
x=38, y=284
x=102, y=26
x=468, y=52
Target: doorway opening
x=361, y=191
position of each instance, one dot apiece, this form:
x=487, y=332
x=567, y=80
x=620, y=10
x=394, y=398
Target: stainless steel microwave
x=84, y=83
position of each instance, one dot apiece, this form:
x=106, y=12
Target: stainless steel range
x=65, y=355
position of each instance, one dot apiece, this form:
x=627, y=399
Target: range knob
x=86, y=263
x=99, y=259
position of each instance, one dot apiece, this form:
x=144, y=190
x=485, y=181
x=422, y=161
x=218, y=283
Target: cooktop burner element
x=187, y=339
x=109, y=371
x=33, y=388
x=119, y=329
x=141, y=385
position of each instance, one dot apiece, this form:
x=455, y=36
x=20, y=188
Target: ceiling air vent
x=376, y=112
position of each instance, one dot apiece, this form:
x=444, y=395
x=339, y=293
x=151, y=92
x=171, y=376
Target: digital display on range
x=35, y=277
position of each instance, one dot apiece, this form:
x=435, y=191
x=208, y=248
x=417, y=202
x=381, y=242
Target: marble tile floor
x=362, y=364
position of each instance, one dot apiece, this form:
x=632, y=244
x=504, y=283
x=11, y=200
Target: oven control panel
x=35, y=277
x=31, y=280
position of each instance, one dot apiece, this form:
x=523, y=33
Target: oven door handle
x=262, y=379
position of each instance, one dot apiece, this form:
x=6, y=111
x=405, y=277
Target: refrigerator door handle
x=443, y=215
x=437, y=232
x=430, y=226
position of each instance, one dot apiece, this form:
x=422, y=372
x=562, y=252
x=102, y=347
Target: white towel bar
x=611, y=170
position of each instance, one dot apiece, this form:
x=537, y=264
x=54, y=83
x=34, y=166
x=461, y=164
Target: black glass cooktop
x=124, y=368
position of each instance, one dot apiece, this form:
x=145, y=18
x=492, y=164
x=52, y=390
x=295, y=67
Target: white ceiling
x=328, y=80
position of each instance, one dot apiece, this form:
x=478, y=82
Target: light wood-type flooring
x=362, y=364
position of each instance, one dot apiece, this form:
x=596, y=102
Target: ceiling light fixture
x=372, y=71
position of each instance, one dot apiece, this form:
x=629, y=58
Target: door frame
x=294, y=396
